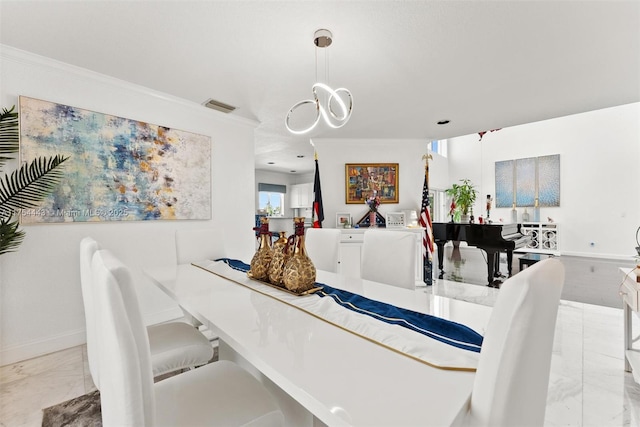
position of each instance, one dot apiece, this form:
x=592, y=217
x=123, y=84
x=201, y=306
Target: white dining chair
x=173, y=346
x=389, y=256
x=217, y=394
x=323, y=248
x=88, y=247
x=199, y=244
x=512, y=378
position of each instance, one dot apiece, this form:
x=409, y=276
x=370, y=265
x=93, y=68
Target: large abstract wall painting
x=549, y=180
x=521, y=182
x=525, y=181
x=118, y=169
x=505, y=183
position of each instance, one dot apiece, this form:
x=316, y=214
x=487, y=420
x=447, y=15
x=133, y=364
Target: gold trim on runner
x=417, y=359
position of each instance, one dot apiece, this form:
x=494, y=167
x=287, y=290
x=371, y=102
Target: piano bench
x=530, y=258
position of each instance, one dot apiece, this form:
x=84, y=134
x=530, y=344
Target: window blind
x=272, y=188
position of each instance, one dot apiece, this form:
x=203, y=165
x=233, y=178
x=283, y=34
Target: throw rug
x=85, y=411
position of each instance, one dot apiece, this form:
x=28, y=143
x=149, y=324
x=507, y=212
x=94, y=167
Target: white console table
x=630, y=292
x=351, y=245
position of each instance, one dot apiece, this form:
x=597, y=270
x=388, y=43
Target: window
x=439, y=207
x=439, y=146
x=271, y=204
x=271, y=199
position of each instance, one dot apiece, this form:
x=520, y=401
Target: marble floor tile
x=39, y=365
x=564, y=401
x=28, y=387
x=589, y=280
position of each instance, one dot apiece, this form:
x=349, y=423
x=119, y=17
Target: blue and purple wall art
x=118, y=169
x=520, y=182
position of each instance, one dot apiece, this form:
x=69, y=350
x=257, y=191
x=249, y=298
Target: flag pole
x=425, y=221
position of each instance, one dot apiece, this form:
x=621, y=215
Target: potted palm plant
x=464, y=196
x=23, y=188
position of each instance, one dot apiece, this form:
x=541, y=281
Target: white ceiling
x=480, y=64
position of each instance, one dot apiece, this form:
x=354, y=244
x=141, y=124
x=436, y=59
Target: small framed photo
x=396, y=220
x=343, y=220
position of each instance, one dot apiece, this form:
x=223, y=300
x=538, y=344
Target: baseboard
x=29, y=350
x=599, y=256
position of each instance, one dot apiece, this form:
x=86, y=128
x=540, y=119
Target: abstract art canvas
x=525, y=181
x=118, y=169
x=549, y=180
x=504, y=184
x=520, y=182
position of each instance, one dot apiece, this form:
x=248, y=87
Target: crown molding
x=9, y=53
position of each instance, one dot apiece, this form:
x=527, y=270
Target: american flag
x=425, y=221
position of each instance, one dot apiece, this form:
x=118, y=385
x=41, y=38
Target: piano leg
x=496, y=272
x=440, y=246
x=492, y=256
x=509, y=261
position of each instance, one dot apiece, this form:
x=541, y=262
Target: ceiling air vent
x=220, y=106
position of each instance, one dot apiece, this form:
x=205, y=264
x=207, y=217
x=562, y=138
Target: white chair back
x=323, y=247
x=389, y=256
x=126, y=377
x=197, y=245
x=88, y=247
x=510, y=387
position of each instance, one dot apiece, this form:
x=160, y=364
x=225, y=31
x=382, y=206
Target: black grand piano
x=492, y=238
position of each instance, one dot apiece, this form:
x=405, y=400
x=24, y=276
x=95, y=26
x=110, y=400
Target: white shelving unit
x=544, y=237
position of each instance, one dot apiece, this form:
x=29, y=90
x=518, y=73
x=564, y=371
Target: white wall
x=40, y=298
x=599, y=156
x=599, y=175
x=333, y=154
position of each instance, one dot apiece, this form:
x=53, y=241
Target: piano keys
x=492, y=238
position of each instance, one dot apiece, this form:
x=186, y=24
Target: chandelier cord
x=326, y=68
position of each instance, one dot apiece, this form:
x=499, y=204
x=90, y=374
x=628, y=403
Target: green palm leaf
x=9, y=134
x=10, y=236
x=30, y=184
x=23, y=188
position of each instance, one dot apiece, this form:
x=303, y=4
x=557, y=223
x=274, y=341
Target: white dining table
x=338, y=377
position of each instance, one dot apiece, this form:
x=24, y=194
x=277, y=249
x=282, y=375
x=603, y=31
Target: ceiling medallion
x=329, y=103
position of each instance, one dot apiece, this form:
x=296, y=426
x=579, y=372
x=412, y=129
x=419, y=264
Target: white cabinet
x=630, y=292
x=351, y=246
x=301, y=195
x=544, y=237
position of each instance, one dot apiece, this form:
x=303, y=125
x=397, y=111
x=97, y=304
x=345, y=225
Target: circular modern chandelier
x=329, y=103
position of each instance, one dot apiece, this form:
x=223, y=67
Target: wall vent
x=220, y=106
